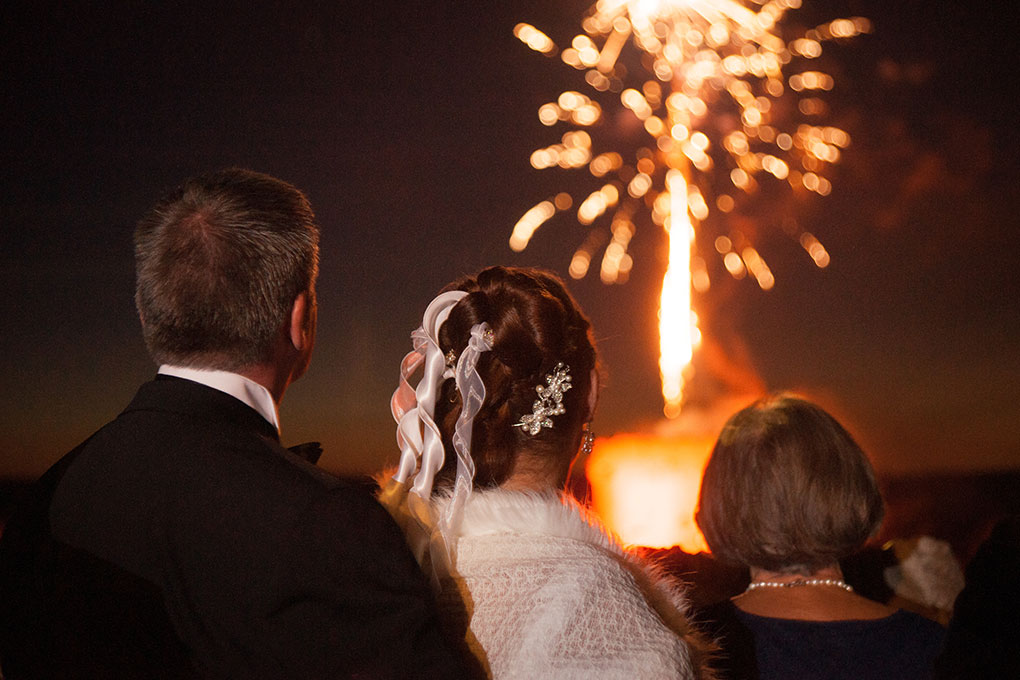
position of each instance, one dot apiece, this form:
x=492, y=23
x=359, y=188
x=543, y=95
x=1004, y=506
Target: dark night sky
x=410, y=126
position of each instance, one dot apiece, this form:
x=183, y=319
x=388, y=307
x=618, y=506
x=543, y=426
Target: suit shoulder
x=356, y=506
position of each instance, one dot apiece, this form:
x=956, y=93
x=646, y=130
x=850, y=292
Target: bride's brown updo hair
x=535, y=324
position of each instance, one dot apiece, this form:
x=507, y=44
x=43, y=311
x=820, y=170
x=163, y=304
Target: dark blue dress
x=902, y=646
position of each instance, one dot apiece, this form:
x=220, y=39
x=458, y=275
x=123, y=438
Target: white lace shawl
x=545, y=593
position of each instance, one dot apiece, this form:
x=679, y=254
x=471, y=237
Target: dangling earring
x=588, y=440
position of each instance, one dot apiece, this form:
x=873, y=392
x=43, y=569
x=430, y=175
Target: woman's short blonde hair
x=787, y=489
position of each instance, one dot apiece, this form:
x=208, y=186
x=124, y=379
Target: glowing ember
x=704, y=79
x=645, y=488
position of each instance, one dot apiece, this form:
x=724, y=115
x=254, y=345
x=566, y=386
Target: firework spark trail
x=710, y=78
x=677, y=335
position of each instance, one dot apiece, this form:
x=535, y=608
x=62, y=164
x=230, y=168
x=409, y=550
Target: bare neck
x=531, y=473
x=819, y=602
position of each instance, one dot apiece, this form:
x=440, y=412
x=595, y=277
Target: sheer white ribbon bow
x=420, y=442
x=472, y=395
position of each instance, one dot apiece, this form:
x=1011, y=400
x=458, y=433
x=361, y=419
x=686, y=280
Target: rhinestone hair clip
x=451, y=356
x=549, y=402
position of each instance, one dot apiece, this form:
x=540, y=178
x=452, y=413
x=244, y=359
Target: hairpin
x=549, y=402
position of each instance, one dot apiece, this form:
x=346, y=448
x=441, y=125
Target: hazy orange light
x=645, y=488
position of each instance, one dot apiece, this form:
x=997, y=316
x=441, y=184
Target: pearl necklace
x=839, y=583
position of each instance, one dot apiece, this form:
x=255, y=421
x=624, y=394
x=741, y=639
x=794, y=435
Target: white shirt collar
x=237, y=386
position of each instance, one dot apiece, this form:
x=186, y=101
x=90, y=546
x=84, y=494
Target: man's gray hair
x=219, y=262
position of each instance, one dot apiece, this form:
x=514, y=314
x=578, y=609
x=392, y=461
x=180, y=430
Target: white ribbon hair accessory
x=419, y=439
x=472, y=395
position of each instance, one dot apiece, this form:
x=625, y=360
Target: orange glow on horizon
x=645, y=488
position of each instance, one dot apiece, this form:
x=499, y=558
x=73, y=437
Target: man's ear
x=300, y=328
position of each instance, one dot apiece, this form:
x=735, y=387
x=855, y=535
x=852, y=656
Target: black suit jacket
x=182, y=539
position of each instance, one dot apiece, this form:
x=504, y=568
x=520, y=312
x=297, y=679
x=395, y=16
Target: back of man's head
x=219, y=263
